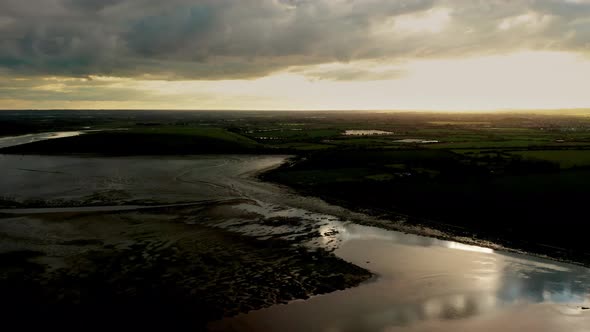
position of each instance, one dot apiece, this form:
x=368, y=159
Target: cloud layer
x=228, y=39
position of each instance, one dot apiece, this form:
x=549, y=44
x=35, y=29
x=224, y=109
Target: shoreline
x=391, y=220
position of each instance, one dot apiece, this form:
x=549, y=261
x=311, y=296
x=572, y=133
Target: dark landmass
x=160, y=141
x=541, y=211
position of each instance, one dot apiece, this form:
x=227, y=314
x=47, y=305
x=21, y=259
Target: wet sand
x=420, y=284
x=170, y=267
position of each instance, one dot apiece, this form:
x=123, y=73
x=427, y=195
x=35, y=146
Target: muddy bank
x=169, y=267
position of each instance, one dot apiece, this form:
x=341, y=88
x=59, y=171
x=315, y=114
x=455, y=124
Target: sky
x=295, y=54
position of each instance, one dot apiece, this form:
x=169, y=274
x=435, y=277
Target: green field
x=205, y=132
x=488, y=144
x=293, y=133
x=565, y=158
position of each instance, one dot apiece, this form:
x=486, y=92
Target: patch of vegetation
x=565, y=158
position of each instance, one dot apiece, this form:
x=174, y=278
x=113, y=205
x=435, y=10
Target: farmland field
x=565, y=158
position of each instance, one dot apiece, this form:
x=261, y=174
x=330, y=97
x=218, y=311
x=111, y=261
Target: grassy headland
x=145, y=141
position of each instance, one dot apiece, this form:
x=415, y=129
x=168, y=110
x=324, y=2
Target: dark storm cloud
x=80, y=94
x=56, y=89
x=353, y=74
x=213, y=39
x=89, y=5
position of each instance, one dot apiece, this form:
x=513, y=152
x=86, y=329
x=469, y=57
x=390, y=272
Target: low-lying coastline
x=392, y=219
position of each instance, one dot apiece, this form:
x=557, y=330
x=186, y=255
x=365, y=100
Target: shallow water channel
x=30, y=138
x=425, y=284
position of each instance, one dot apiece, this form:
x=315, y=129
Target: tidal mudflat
x=174, y=242
x=200, y=238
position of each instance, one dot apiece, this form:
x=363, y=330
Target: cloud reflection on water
x=428, y=284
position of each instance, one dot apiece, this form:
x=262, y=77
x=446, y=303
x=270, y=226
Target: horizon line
x=454, y=111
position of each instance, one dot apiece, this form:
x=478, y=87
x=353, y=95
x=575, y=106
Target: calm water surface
x=369, y=132
x=30, y=138
x=416, y=140
x=425, y=284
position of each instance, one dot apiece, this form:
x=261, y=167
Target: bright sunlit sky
x=295, y=54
